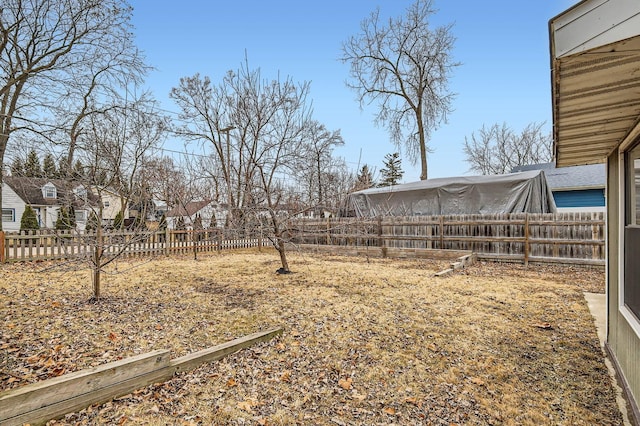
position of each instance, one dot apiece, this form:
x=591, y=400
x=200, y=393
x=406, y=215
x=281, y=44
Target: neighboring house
x=595, y=66
x=208, y=211
x=160, y=208
x=45, y=196
x=576, y=188
x=111, y=204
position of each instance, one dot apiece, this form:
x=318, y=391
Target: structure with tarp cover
x=525, y=192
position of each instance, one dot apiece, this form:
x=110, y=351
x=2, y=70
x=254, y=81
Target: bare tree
x=43, y=43
x=315, y=168
x=257, y=129
x=114, y=150
x=119, y=143
x=277, y=146
x=206, y=117
x=498, y=149
x=405, y=66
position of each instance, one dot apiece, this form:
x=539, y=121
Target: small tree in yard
x=92, y=222
x=392, y=172
x=29, y=220
x=66, y=219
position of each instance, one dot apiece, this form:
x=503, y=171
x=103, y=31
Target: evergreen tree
x=17, y=167
x=365, y=179
x=78, y=170
x=162, y=224
x=29, y=220
x=180, y=226
x=197, y=222
x=92, y=222
x=66, y=219
x=118, y=221
x=32, y=166
x=392, y=172
x=62, y=168
x=49, y=167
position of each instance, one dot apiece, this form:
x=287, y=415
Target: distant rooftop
x=574, y=177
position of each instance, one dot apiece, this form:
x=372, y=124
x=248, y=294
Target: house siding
x=11, y=200
x=579, y=198
x=623, y=341
x=115, y=205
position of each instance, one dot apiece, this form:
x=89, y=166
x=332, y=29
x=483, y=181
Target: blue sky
x=503, y=47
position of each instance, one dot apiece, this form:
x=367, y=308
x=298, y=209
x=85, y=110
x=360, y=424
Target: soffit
x=596, y=101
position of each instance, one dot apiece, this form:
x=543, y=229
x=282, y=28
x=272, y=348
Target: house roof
x=589, y=176
x=30, y=190
x=188, y=209
x=595, y=57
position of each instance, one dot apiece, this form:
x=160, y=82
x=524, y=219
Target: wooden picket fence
x=55, y=245
x=577, y=238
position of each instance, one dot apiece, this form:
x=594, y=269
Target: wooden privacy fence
x=52, y=245
x=561, y=237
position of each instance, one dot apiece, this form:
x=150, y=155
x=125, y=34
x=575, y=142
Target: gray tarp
x=525, y=192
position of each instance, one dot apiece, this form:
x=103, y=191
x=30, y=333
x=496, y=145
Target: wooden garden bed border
x=37, y=403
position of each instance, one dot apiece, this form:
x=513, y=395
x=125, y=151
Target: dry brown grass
x=365, y=343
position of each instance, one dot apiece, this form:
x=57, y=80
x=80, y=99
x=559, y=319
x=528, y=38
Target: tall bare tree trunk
x=279, y=242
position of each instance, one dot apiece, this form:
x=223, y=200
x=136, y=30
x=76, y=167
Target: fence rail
x=559, y=237
x=55, y=245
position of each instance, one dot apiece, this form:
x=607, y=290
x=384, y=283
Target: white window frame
x=49, y=191
x=80, y=215
x=12, y=212
x=628, y=315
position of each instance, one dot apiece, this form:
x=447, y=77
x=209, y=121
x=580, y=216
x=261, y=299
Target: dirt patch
x=365, y=342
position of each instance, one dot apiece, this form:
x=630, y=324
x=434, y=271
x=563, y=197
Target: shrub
x=29, y=220
x=92, y=222
x=66, y=219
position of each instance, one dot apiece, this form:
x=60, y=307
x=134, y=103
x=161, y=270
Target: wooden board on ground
x=53, y=398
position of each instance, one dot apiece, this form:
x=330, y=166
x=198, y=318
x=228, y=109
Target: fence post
x=441, y=232
x=2, y=247
x=260, y=239
x=526, y=240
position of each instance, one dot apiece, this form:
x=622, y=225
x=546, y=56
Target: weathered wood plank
x=53, y=398
x=37, y=395
x=58, y=408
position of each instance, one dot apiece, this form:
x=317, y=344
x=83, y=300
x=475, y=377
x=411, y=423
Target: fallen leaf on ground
x=345, y=383
x=246, y=405
x=411, y=400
